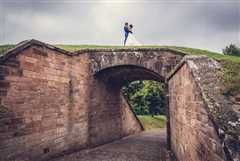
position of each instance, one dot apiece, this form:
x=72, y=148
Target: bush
x=146, y=97
x=232, y=49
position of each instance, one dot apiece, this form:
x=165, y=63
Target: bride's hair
x=131, y=26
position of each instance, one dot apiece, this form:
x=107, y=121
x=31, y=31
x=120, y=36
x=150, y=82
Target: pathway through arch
x=145, y=146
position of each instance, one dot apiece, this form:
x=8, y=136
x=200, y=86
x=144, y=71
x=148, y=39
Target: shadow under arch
x=117, y=75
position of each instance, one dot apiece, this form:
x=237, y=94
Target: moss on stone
x=231, y=79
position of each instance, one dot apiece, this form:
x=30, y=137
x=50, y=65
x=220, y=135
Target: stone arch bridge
x=54, y=101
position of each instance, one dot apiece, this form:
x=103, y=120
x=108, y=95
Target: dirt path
x=146, y=146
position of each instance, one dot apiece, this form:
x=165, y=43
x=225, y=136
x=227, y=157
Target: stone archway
x=114, y=117
x=110, y=69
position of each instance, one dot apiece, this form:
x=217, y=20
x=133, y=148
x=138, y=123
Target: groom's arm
x=126, y=30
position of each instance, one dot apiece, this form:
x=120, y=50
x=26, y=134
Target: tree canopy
x=232, y=49
x=146, y=97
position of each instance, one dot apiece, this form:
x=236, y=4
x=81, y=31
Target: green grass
x=231, y=64
x=79, y=47
x=231, y=79
x=4, y=48
x=210, y=54
x=150, y=122
x=190, y=51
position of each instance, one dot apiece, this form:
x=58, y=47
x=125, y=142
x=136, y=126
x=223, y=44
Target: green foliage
x=4, y=48
x=232, y=49
x=146, y=97
x=149, y=122
x=231, y=78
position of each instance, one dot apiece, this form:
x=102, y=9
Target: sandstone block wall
x=34, y=109
x=109, y=115
x=46, y=106
x=39, y=107
x=130, y=123
x=193, y=136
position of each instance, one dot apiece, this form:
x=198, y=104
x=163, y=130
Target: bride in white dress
x=131, y=40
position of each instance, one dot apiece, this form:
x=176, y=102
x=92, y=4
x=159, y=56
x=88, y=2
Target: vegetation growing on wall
x=231, y=78
x=231, y=67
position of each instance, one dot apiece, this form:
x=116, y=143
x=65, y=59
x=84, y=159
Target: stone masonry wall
x=109, y=115
x=130, y=123
x=46, y=108
x=104, y=123
x=193, y=136
x=37, y=115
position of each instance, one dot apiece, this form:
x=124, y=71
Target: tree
x=155, y=97
x=146, y=97
x=232, y=49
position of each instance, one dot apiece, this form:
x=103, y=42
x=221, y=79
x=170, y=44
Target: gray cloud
x=202, y=24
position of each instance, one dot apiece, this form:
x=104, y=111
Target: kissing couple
x=129, y=39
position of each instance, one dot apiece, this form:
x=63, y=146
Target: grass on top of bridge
x=149, y=122
x=4, y=48
x=187, y=50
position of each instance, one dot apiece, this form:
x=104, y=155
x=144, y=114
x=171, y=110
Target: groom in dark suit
x=126, y=30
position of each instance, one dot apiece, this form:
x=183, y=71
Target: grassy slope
x=149, y=122
x=4, y=48
x=187, y=50
x=231, y=63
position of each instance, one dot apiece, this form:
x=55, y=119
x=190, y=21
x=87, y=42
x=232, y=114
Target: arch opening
x=115, y=108
x=148, y=101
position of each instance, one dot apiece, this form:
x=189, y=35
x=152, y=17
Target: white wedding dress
x=132, y=41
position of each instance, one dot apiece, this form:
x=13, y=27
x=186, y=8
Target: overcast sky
x=202, y=24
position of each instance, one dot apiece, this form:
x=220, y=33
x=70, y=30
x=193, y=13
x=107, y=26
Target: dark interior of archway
x=142, y=88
